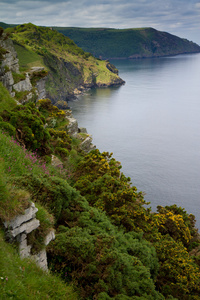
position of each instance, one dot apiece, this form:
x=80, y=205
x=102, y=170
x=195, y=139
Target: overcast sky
x=179, y=17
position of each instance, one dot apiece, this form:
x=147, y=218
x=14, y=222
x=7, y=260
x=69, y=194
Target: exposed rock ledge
x=79, y=133
x=17, y=230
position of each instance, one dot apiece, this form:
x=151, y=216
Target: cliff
x=128, y=43
x=69, y=69
x=22, y=85
x=108, y=244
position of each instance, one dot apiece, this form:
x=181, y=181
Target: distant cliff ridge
x=128, y=43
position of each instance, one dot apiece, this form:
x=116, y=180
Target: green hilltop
x=69, y=67
x=110, y=43
x=108, y=244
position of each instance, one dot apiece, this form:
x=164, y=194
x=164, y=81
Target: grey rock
x=7, y=80
x=50, y=236
x=37, y=69
x=25, y=227
x=82, y=130
x=56, y=162
x=29, y=214
x=72, y=126
x=24, y=249
x=41, y=259
x=87, y=145
x=41, y=90
x=23, y=85
x=10, y=58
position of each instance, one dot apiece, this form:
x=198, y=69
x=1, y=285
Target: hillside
x=108, y=243
x=128, y=43
x=70, y=69
x=4, y=25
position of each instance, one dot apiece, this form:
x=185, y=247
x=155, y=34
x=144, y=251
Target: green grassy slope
x=22, y=279
x=128, y=43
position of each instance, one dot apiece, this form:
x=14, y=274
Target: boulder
x=87, y=145
x=72, y=127
x=23, y=85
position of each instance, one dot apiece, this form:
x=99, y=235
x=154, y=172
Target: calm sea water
x=152, y=125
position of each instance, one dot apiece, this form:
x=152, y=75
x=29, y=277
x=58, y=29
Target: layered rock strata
x=18, y=229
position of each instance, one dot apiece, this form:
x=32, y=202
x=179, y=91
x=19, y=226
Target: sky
x=178, y=17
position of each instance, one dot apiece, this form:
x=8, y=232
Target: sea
x=152, y=126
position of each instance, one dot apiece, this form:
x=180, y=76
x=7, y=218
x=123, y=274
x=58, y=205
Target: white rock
x=41, y=259
x=29, y=214
x=73, y=126
x=50, y=236
x=25, y=227
x=23, y=85
x=24, y=249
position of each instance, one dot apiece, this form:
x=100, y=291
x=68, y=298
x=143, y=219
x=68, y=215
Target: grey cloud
x=180, y=17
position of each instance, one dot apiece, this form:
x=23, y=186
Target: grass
x=34, y=43
x=28, y=58
x=6, y=101
x=15, y=161
x=23, y=280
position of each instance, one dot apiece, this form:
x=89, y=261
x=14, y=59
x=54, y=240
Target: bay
x=152, y=126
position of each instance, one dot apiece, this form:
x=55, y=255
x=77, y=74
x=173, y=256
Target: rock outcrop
x=79, y=133
x=9, y=63
x=18, y=229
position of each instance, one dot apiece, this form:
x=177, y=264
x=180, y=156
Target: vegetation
x=68, y=66
x=22, y=279
x=109, y=245
x=128, y=43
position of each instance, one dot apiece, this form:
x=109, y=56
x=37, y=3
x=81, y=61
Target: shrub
x=99, y=266
x=98, y=178
x=178, y=275
x=29, y=124
x=5, y=126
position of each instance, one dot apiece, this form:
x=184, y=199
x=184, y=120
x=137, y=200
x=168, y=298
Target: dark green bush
x=5, y=126
x=99, y=266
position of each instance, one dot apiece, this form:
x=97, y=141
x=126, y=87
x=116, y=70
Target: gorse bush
x=103, y=263
x=98, y=178
x=178, y=274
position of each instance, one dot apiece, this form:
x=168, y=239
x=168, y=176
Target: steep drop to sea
x=151, y=124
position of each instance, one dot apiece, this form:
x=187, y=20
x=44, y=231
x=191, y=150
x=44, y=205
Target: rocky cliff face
x=9, y=65
x=65, y=80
